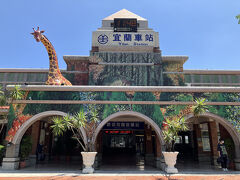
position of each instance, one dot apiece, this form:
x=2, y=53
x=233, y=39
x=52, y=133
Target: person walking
x=222, y=154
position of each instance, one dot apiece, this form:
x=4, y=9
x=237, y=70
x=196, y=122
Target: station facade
x=126, y=52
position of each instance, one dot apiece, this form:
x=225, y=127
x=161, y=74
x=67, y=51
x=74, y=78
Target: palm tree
x=200, y=107
x=16, y=93
x=173, y=125
x=75, y=123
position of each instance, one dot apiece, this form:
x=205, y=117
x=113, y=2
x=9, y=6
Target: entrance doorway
x=127, y=145
x=185, y=146
x=121, y=146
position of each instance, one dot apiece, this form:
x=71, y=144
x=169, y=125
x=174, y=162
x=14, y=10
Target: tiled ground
x=127, y=171
x=127, y=177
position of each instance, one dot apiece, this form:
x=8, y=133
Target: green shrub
x=2, y=152
x=229, y=144
x=25, y=147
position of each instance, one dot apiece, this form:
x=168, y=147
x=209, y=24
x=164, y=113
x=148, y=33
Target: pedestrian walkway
x=116, y=176
x=51, y=172
x=72, y=171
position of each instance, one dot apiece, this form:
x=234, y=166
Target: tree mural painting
x=42, y=95
x=121, y=72
x=17, y=123
x=230, y=113
x=152, y=111
x=109, y=109
x=125, y=69
x=15, y=116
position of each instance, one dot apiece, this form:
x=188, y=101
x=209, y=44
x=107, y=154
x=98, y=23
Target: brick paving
x=128, y=177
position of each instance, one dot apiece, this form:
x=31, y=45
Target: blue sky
x=204, y=30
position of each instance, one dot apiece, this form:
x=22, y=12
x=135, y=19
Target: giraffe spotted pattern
x=54, y=75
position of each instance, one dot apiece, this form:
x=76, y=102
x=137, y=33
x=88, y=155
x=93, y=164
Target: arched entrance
x=12, y=152
x=129, y=138
x=202, y=139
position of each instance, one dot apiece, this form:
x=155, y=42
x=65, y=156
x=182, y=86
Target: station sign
x=105, y=38
x=124, y=125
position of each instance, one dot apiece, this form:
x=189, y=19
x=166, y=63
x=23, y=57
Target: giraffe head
x=37, y=34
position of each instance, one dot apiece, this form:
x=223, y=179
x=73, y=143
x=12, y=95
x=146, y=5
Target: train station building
x=126, y=66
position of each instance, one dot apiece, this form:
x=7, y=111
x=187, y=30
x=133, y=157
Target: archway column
x=11, y=161
x=149, y=156
x=213, y=135
x=98, y=147
x=237, y=158
x=159, y=159
x=35, y=136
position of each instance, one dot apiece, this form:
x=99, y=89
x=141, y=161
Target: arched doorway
x=200, y=142
x=37, y=126
x=129, y=138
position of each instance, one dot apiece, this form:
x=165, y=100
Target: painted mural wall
x=114, y=74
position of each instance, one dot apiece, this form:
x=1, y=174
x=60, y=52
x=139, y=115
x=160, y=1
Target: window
x=186, y=140
x=2, y=76
x=205, y=137
x=179, y=139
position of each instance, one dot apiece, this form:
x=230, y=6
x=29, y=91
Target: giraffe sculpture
x=54, y=75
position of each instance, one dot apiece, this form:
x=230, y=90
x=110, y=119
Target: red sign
x=118, y=132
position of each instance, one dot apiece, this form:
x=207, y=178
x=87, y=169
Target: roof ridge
x=124, y=13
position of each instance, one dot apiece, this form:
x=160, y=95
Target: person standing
x=222, y=153
x=40, y=152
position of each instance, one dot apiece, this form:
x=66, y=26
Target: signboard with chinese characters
x=124, y=125
x=105, y=38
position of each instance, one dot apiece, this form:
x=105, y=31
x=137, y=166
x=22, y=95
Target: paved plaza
x=117, y=176
x=72, y=171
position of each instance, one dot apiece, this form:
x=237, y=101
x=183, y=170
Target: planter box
x=170, y=160
x=88, y=161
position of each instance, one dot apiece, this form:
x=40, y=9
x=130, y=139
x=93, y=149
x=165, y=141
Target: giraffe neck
x=53, y=61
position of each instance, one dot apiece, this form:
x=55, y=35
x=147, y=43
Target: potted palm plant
x=172, y=126
x=75, y=123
